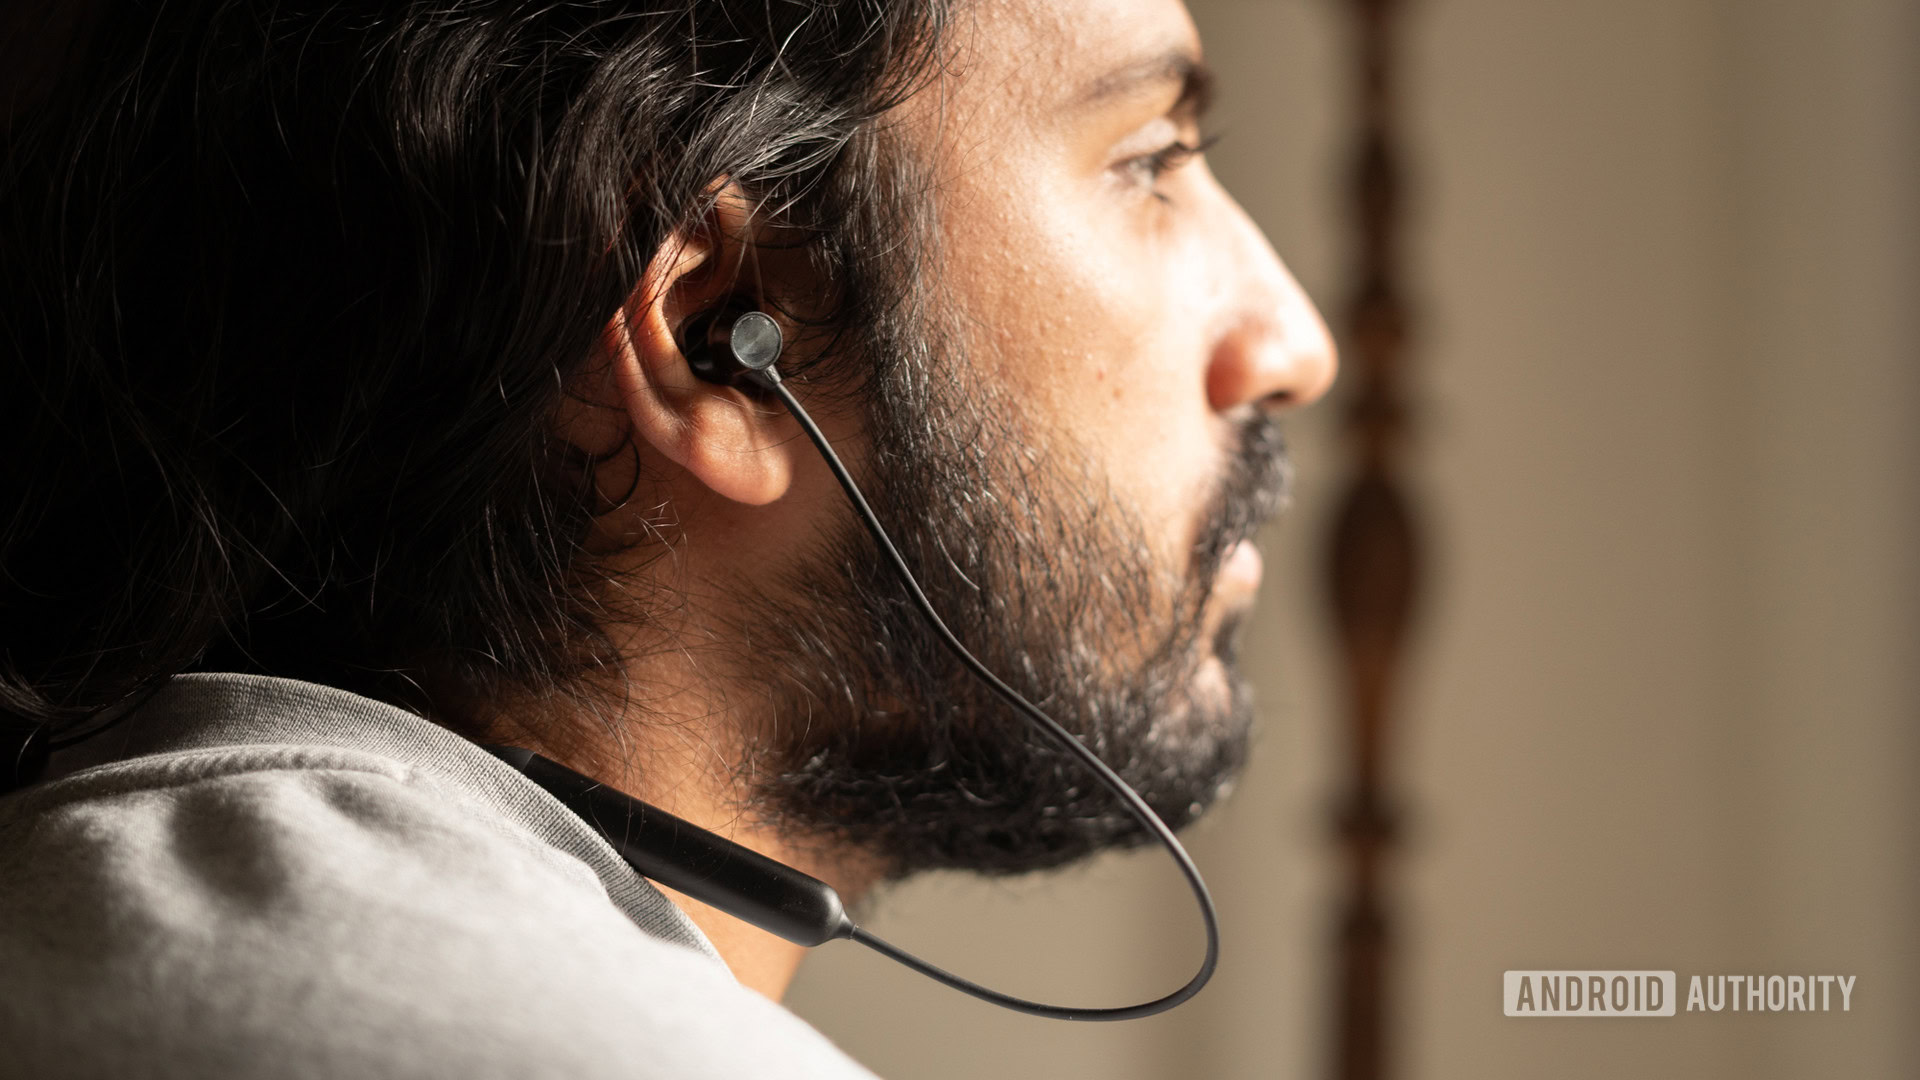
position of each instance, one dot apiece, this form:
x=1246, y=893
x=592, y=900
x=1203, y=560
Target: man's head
x=359, y=339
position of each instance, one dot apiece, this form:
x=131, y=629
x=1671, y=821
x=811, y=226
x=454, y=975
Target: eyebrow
x=1179, y=64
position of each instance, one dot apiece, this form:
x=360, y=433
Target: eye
x=1147, y=169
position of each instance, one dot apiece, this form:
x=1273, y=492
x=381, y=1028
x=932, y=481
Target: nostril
x=1279, y=399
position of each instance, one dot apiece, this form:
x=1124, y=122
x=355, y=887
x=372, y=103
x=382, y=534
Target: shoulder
x=311, y=912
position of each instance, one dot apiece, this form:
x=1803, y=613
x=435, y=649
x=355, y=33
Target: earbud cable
x=770, y=380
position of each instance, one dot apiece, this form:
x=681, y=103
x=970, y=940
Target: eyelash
x=1166, y=159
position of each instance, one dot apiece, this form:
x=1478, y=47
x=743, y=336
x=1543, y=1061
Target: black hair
x=288, y=292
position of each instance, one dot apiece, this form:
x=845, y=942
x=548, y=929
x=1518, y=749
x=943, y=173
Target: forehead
x=1040, y=57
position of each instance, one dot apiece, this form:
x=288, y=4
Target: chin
x=993, y=799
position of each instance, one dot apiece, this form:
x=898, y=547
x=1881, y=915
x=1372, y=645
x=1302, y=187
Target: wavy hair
x=289, y=290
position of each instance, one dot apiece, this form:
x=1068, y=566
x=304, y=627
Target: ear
x=738, y=447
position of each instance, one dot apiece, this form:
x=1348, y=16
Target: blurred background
x=1660, y=706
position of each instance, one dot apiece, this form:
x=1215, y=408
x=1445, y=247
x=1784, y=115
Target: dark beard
x=880, y=740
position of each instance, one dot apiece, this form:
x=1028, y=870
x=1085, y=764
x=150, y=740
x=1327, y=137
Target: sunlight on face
x=1078, y=477
x=1106, y=279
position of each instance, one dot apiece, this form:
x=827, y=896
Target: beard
x=878, y=739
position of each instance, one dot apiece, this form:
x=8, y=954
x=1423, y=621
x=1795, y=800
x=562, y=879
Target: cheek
x=1100, y=327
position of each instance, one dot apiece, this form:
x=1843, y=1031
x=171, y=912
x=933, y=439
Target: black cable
x=770, y=381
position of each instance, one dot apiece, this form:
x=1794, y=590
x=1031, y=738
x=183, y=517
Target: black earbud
x=731, y=347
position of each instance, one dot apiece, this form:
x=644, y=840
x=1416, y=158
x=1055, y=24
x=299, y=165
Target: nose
x=1275, y=351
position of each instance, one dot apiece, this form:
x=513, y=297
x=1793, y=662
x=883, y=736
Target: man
x=352, y=428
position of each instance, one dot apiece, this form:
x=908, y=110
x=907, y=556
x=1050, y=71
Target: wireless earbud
x=741, y=349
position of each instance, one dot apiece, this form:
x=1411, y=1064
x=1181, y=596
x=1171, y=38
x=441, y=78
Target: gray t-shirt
x=268, y=878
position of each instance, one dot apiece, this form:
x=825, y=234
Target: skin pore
x=1093, y=275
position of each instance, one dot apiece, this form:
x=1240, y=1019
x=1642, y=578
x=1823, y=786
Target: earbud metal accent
x=755, y=341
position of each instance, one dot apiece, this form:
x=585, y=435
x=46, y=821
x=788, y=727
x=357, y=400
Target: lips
x=1242, y=567
x=1254, y=488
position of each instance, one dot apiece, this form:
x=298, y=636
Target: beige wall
x=1664, y=714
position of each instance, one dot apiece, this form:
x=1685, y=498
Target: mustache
x=1257, y=485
